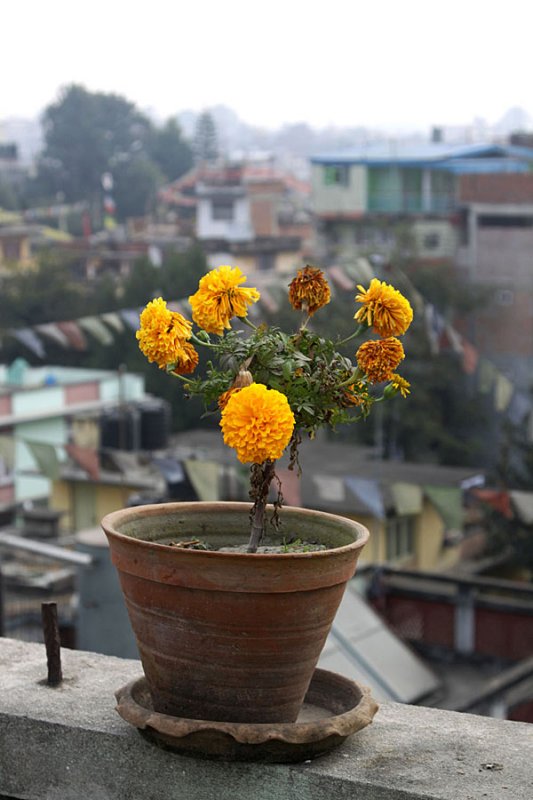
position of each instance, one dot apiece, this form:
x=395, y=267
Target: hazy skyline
x=391, y=65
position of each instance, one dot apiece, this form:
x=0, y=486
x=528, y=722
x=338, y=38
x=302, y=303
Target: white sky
x=378, y=63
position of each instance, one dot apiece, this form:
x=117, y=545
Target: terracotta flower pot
x=232, y=637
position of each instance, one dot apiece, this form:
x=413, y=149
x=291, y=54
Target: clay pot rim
x=114, y=518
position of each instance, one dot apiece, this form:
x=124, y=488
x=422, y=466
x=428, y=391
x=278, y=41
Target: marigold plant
x=271, y=388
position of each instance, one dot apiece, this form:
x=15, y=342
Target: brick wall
x=512, y=188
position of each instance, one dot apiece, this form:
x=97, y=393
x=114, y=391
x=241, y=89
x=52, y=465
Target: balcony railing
x=409, y=203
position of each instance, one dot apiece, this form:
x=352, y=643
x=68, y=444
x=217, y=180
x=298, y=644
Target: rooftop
x=471, y=157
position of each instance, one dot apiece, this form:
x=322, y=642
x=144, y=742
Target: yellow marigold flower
x=309, y=290
x=186, y=359
x=385, y=308
x=258, y=423
x=379, y=358
x=220, y=298
x=400, y=385
x=162, y=333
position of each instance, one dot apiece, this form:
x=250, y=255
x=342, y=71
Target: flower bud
x=244, y=378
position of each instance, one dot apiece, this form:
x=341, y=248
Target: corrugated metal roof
x=480, y=166
x=406, y=153
x=361, y=647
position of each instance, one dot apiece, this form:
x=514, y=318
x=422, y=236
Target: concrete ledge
x=68, y=742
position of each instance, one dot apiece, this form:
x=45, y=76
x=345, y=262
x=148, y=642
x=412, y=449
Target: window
x=504, y=297
x=431, y=241
x=222, y=210
x=400, y=537
x=337, y=175
x=506, y=221
x=11, y=248
x=265, y=262
x=412, y=189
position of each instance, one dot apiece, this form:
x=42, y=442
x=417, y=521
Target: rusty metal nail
x=52, y=643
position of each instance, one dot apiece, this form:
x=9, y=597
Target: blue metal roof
x=424, y=154
x=479, y=166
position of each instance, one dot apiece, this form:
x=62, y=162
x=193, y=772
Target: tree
x=48, y=293
x=170, y=151
x=9, y=198
x=87, y=134
x=205, y=138
x=136, y=181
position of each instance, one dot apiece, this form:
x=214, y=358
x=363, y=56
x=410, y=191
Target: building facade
x=385, y=196
x=42, y=410
x=249, y=215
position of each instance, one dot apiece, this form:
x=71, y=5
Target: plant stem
x=261, y=478
x=357, y=332
x=201, y=342
x=248, y=322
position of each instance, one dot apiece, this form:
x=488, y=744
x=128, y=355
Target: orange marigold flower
x=186, y=360
x=258, y=423
x=379, y=358
x=309, y=290
x=400, y=385
x=162, y=333
x=220, y=298
x=385, y=308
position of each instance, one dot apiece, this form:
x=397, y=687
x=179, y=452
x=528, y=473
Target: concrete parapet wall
x=68, y=743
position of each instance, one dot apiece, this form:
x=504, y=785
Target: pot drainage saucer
x=334, y=708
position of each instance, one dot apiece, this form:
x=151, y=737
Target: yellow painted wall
x=60, y=500
x=374, y=550
x=288, y=263
x=111, y=498
x=429, y=537
x=428, y=542
x=107, y=498
x=246, y=263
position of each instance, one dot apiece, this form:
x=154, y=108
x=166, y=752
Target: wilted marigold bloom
x=354, y=395
x=384, y=308
x=220, y=298
x=309, y=290
x=162, y=333
x=379, y=358
x=186, y=359
x=243, y=378
x=258, y=423
x=225, y=396
x=400, y=385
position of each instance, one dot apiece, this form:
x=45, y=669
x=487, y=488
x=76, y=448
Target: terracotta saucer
x=334, y=708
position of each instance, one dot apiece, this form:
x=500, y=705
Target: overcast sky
x=380, y=63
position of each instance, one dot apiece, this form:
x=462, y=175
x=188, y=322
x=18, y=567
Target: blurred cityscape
x=102, y=209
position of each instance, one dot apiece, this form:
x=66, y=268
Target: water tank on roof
x=120, y=429
x=16, y=372
x=155, y=424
